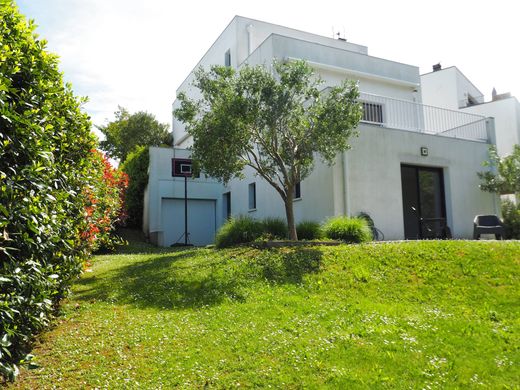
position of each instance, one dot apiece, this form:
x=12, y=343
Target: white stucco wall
x=316, y=204
x=374, y=182
x=375, y=177
x=507, y=121
x=448, y=88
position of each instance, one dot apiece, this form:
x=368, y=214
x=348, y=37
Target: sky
x=135, y=53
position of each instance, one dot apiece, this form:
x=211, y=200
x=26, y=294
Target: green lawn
x=437, y=314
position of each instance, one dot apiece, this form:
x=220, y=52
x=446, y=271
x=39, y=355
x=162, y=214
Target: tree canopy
x=136, y=167
x=275, y=121
x=128, y=131
x=504, y=176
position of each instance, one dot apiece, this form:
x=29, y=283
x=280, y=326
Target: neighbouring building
x=412, y=168
x=451, y=89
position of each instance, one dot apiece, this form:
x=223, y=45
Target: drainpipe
x=249, y=29
x=346, y=189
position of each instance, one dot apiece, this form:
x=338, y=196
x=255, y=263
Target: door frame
x=420, y=220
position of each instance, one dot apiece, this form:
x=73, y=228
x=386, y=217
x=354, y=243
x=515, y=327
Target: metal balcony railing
x=407, y=115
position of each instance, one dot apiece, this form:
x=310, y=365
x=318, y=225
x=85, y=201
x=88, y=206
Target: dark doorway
x=424, y=209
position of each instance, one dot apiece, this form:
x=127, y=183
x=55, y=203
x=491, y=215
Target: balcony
x=411, y=116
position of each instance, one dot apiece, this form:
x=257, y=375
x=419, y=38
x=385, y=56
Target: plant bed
x=289, y=243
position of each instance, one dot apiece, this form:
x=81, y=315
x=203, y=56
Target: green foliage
x=511, y=219
x=309, y=230
x=128, y=131
x=241, y=229
x=274, y=122
x=393, y=315
x=46, y=165
x=351, y=230
x=104, y=209
x=504, y=174
x=136, y=167
x=275, y=228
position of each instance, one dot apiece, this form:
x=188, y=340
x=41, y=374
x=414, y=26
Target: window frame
x=251, y=196
x=381, y=113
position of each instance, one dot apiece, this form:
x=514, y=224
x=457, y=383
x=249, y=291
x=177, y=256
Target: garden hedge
x=46, y=164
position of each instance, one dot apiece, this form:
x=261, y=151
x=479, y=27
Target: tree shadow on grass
x=192, y=279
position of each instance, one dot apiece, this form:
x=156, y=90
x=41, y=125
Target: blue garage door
x=201, y=221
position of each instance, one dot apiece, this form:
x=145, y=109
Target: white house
x=451, y=89
x=412, y=169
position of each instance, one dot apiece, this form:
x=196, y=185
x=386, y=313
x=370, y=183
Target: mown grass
x=437, y=314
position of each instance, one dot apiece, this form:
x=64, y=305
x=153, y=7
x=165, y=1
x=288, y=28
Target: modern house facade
x=412, y=168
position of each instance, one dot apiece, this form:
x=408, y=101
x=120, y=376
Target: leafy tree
x=504, y=175
x=136, y=167
x=275, y=123
x=131, y=130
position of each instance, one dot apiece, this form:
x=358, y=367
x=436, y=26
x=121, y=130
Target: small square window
x=372, y=112
x=252, y=196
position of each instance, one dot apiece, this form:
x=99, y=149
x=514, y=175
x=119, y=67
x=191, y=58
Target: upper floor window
x=252, y=196
x=297, y=191
x=227, y=58
x=372, y=112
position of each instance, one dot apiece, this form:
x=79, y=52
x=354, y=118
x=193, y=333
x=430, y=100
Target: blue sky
x=135, y=53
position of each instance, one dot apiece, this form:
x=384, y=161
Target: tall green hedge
x=136, y=167
x=45, y=144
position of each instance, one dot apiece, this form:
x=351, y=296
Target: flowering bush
x=104, y=203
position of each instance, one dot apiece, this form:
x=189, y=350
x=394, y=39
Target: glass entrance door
x=424, y=210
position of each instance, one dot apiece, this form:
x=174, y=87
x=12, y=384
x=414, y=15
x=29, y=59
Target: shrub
x=136, y=167
x=511, y=219
x=308, y=230
x=237, y=231
x=351, y=230
x=105, y=204
x=275, y=228
x=46, y=169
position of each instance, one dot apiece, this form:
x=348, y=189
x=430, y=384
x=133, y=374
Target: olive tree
x=504, y=174
x=276, y=120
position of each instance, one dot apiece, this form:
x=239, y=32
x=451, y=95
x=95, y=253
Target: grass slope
x=391, y=315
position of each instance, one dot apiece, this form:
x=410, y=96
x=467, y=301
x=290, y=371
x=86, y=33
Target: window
x=227, y=58
x=372, y=112
x=227, y=205
x=297, y=191
x=252, y=196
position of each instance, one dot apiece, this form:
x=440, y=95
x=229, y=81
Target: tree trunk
x=289, y=212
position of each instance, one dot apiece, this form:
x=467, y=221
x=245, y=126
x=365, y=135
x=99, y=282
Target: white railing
x=407, y=115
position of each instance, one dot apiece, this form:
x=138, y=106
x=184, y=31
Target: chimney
x=437, y=67
x=493, y=94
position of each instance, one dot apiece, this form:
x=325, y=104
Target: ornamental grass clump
x=275, y=228
x=350, y=230
x=238, y=230
x=309, y=230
